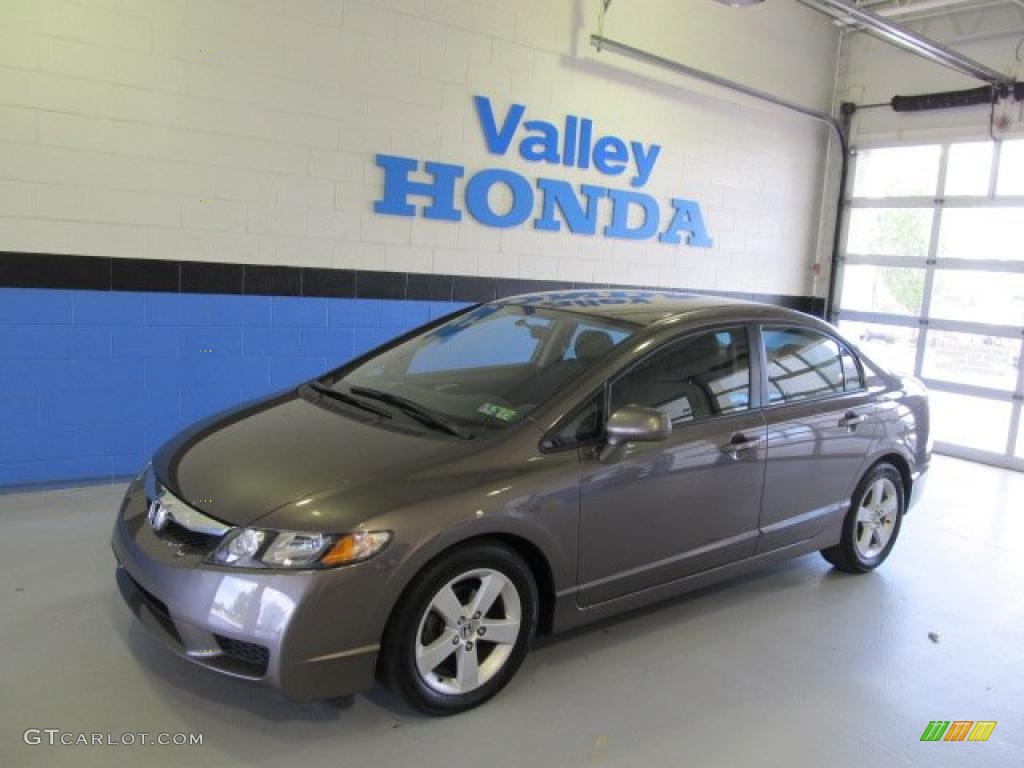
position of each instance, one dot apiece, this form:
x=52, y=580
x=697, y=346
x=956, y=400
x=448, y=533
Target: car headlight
x=261, y=548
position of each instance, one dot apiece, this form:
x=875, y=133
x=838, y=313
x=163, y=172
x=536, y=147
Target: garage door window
x=969, y=168
x=893, y=290
x=1011, y=168
x=931, y=283
x=890, y=232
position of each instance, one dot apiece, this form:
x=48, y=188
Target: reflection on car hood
x=240, y=466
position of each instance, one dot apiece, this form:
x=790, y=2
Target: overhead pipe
x=906, y=38
x=604, y=43
x=846, y=111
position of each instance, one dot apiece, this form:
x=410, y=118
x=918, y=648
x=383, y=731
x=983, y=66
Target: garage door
x=931, y=282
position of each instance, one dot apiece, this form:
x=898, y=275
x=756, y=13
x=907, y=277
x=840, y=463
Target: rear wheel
x=460, y=633
x=873, y=522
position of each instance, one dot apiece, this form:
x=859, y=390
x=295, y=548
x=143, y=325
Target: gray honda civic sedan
x=519, y=467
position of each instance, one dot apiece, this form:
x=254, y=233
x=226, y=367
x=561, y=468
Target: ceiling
x=910, y=10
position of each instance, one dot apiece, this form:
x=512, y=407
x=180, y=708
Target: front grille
x=186, y=527
x=254, y=657
x=192, y=541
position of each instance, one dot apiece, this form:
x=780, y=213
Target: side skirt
x=569, y=615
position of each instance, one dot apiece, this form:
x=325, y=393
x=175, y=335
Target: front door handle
x=850, y=420
x=740, y=443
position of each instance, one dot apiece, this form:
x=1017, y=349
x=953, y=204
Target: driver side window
x=702, y=376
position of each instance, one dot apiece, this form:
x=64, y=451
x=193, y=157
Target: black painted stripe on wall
x=100, y=273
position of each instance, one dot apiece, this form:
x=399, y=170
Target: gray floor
x=798, y=665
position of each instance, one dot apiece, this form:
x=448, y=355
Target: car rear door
x=820, y=425
x=666, y=510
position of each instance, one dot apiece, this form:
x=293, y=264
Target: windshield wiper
x=420, y=413
x=334, y=394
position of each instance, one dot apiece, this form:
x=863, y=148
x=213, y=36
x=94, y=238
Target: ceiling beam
x=908, y=39
x=893, y=10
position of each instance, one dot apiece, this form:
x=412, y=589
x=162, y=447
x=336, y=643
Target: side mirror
x=637, y=424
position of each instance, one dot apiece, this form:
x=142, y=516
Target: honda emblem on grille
x=157, y=514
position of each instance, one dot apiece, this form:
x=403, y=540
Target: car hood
x=243, y=465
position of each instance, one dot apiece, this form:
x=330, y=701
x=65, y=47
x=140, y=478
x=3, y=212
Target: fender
x=468, y=525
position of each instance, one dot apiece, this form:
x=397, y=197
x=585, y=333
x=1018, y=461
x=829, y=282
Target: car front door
x=665, y=510
x=820, y=426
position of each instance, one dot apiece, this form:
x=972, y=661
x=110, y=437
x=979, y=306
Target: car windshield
x=489, y=367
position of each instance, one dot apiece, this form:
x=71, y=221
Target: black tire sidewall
x=399, y=652
x=850, y=527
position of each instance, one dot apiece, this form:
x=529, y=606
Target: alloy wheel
x=468, y=631
x=876, y=518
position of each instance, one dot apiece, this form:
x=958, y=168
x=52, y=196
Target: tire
x=438, y=613
x=873, y=523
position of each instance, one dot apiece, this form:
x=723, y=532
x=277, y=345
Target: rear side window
x=802, y=364
x=704, y=375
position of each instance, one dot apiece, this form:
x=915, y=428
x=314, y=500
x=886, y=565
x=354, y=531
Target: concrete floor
x=798, y=665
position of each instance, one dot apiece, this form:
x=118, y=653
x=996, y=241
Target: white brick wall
x=244, y=130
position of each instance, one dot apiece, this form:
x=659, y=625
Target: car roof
x=645, y=307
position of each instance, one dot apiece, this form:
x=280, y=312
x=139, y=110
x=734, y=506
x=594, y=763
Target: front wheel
x=873, y=522
x=460, y=633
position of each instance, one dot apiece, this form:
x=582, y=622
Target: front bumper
x=306, y=633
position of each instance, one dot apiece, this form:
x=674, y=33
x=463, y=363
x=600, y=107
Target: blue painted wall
x=91, y=382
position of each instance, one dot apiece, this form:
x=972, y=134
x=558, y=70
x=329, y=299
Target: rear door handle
x=740, y=443
x=850, y=420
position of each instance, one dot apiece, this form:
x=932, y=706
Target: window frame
x=848, y=349
x=843, y=346
x=546, y=445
